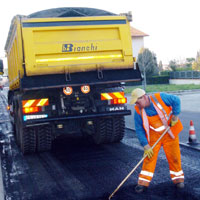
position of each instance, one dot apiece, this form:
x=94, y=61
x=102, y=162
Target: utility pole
x=145, y=83
x=144, y=70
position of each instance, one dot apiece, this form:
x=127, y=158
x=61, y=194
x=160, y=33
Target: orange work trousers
x=172, y=152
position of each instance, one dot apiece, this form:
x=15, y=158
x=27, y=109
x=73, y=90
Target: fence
x=185, y=75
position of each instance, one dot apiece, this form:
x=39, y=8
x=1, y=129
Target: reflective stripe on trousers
x=172, y=152
x=176, y=175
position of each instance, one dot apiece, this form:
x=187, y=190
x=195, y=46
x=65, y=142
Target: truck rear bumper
x=88, y=116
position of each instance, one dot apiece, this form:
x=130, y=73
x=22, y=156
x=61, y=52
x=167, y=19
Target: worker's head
x=139, y=97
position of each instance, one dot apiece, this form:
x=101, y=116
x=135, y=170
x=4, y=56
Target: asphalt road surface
x=76, y=169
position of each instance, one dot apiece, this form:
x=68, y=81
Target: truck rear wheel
x=99, y=136
x=27, y=140
x=16, y=130
x=26, y=137
x=119, y=129
x=44, y=138
x=109, y=130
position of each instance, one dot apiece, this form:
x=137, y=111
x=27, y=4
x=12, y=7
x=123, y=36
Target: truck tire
x=26, y=137
x=44, y=138
x=99, y=137
x=14, y=120
x=17, y=131
x=115, y=129
x=118, y=129
x=27, y=140
x=109, y=130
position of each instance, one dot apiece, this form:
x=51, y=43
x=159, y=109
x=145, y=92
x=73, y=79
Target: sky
x=172, y=25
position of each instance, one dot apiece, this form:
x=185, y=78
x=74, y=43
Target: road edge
x=195, y=147
x=1, y=184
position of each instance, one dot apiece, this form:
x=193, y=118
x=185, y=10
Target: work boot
x=140, y=188
x=180, y=185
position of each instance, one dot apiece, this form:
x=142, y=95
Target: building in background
x=137, y=40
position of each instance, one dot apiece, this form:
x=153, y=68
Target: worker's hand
x=174, y=120
x=148, y=151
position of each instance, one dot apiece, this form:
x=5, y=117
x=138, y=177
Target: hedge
x=151, y=80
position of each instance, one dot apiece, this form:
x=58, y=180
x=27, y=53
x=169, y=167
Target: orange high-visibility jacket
x=160, y=121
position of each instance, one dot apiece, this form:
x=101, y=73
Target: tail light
x=32, y=110
x=118, y=101
x=114, y=97
x=34, y=105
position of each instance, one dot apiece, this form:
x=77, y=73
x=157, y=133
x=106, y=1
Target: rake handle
x=124, y=180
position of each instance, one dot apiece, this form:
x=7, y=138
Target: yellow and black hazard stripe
x=113, y=95
x=35, y=102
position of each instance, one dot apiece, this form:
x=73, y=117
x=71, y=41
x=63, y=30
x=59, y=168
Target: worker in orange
x=153, y=114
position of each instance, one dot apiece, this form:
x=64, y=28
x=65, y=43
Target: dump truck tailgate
x=78, y=44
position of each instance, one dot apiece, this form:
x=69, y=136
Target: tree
x=147, y=62
x=160, y=66
x=155, y=65
x=189, y=62
x=196, y=63
x=173, y=65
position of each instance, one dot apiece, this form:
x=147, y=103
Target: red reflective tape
x=112, y=95
x=28, y=103
x=35, y=103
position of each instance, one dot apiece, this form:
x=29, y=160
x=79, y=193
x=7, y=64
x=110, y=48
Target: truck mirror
x=1, y=67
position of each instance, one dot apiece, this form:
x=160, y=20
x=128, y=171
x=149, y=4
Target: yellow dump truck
x=66, y=67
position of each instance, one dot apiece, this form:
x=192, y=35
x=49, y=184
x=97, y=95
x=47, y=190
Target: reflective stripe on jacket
x=160, y=121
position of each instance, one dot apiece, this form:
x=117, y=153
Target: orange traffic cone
x=192, y=136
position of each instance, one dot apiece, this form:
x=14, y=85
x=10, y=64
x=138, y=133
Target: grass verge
x=163, y=88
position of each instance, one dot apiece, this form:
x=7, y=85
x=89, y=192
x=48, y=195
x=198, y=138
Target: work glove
x=174, y=120
x=148, y=151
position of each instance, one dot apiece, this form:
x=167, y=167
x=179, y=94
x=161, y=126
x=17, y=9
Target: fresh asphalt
x=78, y=170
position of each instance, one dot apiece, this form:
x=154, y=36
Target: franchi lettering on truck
x=76, y=48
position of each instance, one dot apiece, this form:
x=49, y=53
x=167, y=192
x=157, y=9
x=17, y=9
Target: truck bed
x=64, y=41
